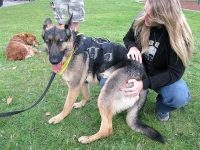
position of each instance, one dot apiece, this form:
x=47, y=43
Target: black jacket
x=166, y=67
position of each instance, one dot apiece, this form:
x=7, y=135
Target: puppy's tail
x=136, y=124
x=148, y=131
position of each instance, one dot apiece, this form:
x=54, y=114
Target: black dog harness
x=94, y=47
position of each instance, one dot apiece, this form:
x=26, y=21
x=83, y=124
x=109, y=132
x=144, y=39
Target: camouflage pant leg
x=77, y=8
x=60, y=13
x=74, y=6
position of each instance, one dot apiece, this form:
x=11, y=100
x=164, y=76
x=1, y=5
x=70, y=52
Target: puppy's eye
x=48, y=41
x=59, y=41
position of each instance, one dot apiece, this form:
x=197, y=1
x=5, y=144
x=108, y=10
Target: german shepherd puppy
x=61, y=45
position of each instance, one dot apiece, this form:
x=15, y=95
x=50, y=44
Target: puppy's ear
x=69, y=22
x=26, y=34
x=47, y=22
x=68, y=26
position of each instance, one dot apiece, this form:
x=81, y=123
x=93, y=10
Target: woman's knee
x=176, y=95
x=177, y=100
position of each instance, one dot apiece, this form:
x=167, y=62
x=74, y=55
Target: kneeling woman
x=161, y=39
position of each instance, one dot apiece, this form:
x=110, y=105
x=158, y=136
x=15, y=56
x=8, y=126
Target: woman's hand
x=135, y=90
x=134, y=54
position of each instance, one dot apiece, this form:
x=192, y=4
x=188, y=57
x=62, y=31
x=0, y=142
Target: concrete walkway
x=7, y=3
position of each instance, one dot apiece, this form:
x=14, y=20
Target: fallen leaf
x=48, y=113
x=9, y=100
x=74, y=137
x=14, y=67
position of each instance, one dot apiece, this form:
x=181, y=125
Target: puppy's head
x=58, y=42
x=31, y=39
x=28, y=38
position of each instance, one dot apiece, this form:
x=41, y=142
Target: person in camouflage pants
x=64, y=8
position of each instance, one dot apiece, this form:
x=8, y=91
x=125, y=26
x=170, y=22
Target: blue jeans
x=172, y=96
x=102, y=81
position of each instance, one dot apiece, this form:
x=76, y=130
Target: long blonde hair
x=168, y=13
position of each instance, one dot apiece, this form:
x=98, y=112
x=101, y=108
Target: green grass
x=25, y=84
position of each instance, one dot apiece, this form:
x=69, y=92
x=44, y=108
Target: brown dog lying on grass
x=20, y=47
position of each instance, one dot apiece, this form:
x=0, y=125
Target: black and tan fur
x=60, y=42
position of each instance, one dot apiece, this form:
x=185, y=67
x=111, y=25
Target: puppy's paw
x=84, y=140
x=55, y=119
x=78, y=105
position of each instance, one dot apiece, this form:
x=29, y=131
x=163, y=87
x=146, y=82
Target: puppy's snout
x=54, y=59
x=36, y=43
